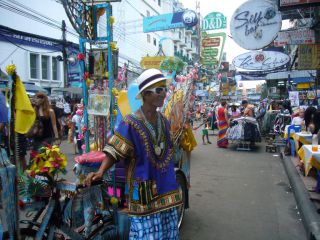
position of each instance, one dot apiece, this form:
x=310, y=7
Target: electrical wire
x=2, y=62
x=22, y=12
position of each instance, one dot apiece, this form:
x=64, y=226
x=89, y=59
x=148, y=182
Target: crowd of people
x=218, y=116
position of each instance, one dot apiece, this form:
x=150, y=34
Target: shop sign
x=212, y=48
x=74, y=68
x=213, y=21
x=255, y=24
x=309, y=57
x=162, y=22
x=210, y=42
x=151, y=62
x=261, y=60
x=296, y=3
x=295, y=37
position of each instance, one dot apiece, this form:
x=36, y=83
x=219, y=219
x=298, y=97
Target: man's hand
x=91, y=177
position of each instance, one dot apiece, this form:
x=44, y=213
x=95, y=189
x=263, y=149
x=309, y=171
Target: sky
x=227, y=7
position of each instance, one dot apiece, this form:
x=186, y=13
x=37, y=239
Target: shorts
x=205, y=132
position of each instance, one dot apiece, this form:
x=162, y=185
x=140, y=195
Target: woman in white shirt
x=299, y=120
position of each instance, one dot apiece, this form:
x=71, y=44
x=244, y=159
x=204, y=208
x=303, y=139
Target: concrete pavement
x=235, y=195
x=239, y=195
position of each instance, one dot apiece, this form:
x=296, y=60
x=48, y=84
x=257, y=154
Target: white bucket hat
x=148, y=78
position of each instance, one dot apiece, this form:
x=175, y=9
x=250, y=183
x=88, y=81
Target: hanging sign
x=255, y=24
x=213, y=21
x=295, y=37
x=151, y=62
x=261, y=60
x=309, y=57
x=297, y=3
x=212, y=48
x=162, y=22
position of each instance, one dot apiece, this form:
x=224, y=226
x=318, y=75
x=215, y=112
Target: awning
x=293, y=74
x=303, y=80
x=34, y=88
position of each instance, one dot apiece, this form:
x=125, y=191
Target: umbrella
x=34, y=88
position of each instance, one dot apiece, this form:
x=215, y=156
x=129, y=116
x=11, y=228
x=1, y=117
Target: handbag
x=36, y=130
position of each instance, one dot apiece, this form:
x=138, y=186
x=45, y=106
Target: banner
x=297, y=3
x=187, y=18
x=309, y=57
x=152, y=62
x=74, y=70
x=295, y=37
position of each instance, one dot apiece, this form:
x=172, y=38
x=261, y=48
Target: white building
x=39, y=64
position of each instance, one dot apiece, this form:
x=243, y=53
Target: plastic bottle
x=314, y=143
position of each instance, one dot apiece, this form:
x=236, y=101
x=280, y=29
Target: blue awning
x=303, y=80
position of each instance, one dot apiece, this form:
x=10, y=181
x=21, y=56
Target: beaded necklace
x=155, y=139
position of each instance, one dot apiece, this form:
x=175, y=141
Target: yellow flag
x=25, y=114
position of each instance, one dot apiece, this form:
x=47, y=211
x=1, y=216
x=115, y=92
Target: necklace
x=155, y=138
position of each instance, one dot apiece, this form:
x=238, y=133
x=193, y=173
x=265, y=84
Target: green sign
x=213, y=21
x=211, y=56
x=210, y=52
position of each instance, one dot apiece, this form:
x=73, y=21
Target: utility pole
x=64, y=54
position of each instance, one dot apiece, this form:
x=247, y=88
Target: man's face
x=155, y=94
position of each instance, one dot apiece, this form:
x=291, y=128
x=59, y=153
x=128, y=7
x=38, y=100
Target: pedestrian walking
x=46, y=123
x=143, y=140
x=205, y=132
x=223, y=124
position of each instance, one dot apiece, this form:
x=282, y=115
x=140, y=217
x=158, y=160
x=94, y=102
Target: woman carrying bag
x=45, y=129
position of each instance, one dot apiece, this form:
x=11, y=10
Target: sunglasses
x=157, y=90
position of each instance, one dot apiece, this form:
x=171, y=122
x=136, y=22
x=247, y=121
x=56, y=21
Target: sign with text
x=212, y=48
x=152, y=62
x=309, y=57
x=295, y=37
x=261, y=60
x=213, y=21
x=255, y=24
x=297, y=3
x=162, y=22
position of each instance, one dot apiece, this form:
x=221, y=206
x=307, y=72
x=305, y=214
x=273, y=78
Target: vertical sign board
x=309, y=57
x=74, y=70
x=214, y=21
x=255, y=24
x=212, y=49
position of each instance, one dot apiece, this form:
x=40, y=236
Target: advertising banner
x=162, y=22
x=255, y=24
x=74, y=70
x=309, y=57
x=297, y=3
x=295, y=37
x=214, y=21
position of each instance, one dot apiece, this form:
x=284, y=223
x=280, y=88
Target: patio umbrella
x=32, y=88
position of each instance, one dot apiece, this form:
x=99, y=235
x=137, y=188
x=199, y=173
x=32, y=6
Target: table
x=309, y=158
x=304, y=137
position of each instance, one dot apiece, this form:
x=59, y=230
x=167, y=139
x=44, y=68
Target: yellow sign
x=309, y=57
x=151, y=62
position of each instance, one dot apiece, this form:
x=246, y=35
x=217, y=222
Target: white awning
x=293, y=74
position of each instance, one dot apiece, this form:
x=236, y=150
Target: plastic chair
x=292, y=128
